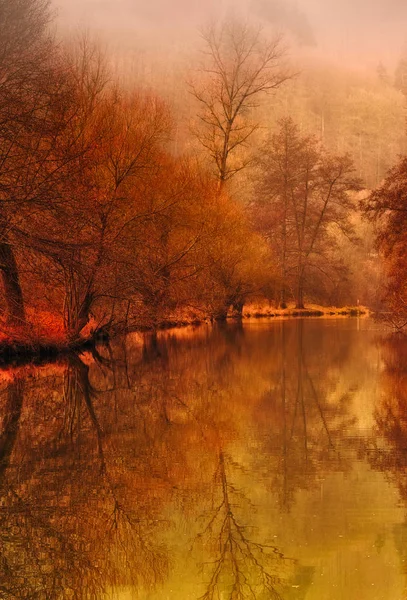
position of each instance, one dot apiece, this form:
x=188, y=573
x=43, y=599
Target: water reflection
x=303, y=422
x=391, y=416
x=12, y=411
x=386, y=449
x=71, y=524
x=201, y=465
x=241, y=566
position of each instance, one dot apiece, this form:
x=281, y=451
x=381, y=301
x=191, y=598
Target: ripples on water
x=267, y=461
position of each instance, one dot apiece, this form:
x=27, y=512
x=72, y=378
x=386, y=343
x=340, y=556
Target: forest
x=167, y=429
x=243, y=178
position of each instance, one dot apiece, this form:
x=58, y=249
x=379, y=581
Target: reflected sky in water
x=264, y=461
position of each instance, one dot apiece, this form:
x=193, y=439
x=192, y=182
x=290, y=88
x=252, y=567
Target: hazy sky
x=355, y=32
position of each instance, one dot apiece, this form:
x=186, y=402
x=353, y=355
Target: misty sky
x=354, y=32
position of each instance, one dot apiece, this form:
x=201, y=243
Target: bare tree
x=303, y=205
x=24, y=48
x=239, y=68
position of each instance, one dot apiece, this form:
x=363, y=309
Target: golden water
x=263, y=461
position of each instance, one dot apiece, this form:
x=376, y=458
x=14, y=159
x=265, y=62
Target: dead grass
x=258, y=310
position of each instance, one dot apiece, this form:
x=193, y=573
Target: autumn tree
x=232, y=258
x=161, y=246
x=24, y=50
x=48, y=107
x=239, y=68
x=302, y=205
x=71, y=190
x=107, y=205
x=387, y=208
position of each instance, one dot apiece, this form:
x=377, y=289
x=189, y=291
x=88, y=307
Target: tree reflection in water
x=386, y=449
x=110, y=453
x=303, y=427
x=241, y=567
x=391, y=415
x=14, y=401
x=69, y=525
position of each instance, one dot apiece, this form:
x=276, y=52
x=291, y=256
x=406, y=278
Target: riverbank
x=257, y=311
x=41, y=337
x=16, y=351
x=47, y=341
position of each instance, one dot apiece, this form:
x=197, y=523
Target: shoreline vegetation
x=312, y=310
x=42, y=345
x=121, y=213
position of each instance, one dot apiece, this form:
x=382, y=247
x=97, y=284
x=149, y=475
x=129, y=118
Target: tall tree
x=387, y=207
x=304, y=194
x=240, y=67
x=24, y=49
x=279, y=160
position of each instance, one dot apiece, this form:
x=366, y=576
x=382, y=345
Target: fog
x=355, y=33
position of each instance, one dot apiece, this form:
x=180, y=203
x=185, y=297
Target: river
x=264, y=461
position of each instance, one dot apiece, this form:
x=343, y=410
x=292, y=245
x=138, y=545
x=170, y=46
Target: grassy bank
x=311, y=310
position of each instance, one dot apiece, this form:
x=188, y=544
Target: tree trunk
x=300, y=293
x=11, y=284
x=78, y=316
x=83, y=316
x=283, y=300
x=221, y=313
x=282, y=304
x=300, y=287
x=238, y=309
x=300, y=300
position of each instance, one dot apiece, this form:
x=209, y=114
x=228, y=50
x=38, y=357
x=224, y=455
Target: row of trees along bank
x=103, y=226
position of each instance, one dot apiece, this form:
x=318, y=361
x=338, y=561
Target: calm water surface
x=267, y=461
